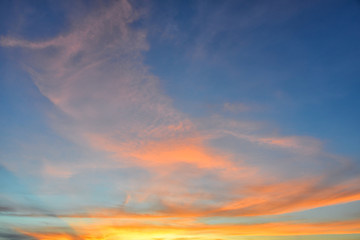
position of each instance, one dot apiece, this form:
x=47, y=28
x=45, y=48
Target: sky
x=180, y=120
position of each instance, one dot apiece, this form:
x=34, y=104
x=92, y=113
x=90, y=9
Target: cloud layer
x=180, y=168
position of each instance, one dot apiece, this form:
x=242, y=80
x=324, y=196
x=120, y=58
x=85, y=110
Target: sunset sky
x=180, y=120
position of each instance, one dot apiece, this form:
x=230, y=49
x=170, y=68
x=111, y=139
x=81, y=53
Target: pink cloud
x=106, y=99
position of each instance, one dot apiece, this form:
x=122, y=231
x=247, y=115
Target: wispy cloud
x=107, y=99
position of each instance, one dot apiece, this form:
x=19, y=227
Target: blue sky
x=179, y=120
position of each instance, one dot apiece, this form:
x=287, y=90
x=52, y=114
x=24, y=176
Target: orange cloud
x=185, y=151
x=290, y=196
x=170, y=152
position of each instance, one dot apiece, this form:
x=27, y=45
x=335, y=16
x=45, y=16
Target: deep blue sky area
x=302, y=66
